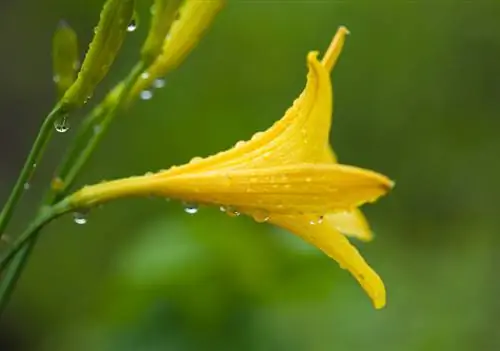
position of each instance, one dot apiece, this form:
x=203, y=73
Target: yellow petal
x=351, y=223
x=300, y=136
x=301, y=188
x=335, y=245
x=335, y=48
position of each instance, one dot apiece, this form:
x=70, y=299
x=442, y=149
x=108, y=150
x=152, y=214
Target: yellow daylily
x=287, y=176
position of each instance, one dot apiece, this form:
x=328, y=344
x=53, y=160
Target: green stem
x=69, y=169
x=33, y=159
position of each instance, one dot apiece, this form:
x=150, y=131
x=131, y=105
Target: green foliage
x=108, y=39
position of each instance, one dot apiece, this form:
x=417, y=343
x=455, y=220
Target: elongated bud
x=195, y=17
x=64, y=57
x=164, y=13
x=109, y=36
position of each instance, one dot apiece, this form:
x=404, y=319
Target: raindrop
x=261, y=216
x=196, y=160
x=232, y=212
x=80, y=218
x=97, y=129
x=145, y=75
x=317, y=221
x=27, y=186
x=146, y=95
x=132, y=26
x=191, y=208
x=159, y=83
x=61, y=125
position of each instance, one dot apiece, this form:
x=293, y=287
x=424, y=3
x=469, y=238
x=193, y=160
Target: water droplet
x=80, y=218
x=33, y=165
x=61, y=125
x=132, y=26
x=195, y=160
x=27, y=186
x=257, y=135
x=146, y=95
x=97, y=129
x=261, y=216
x=316, y=221
x=159, y=83
x=145, y=75
x=222, y=208
x=191, y=208
x=56, y=78
x=232, y=212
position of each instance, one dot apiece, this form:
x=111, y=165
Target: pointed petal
x=302, y=188
x=335, y=48
x=351, y=223
x=335, y=245
x=302, y=135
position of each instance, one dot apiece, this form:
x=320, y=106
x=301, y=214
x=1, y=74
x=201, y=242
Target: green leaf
x=64, y=57
x=108, y=39
x=164, y=13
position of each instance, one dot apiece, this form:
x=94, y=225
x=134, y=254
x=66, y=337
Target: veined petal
x=302, y=135
x=335, y=245
x=301, y=188
x=296, y=189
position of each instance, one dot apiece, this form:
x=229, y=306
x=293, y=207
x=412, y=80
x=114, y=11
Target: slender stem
x=70, y=167
x=33, y=159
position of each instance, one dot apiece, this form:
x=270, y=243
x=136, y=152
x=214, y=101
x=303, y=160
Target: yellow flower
x=287, y=176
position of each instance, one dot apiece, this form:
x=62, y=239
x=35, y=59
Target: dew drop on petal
x=195, y=160
x=146, y=95
x=316, y=221
x=261, y=216
x=80, y=218
x=191, y=208
x=232, y=212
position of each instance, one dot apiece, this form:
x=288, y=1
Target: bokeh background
x=417, y=97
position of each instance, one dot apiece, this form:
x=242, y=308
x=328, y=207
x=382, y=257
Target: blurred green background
x=417, y=98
